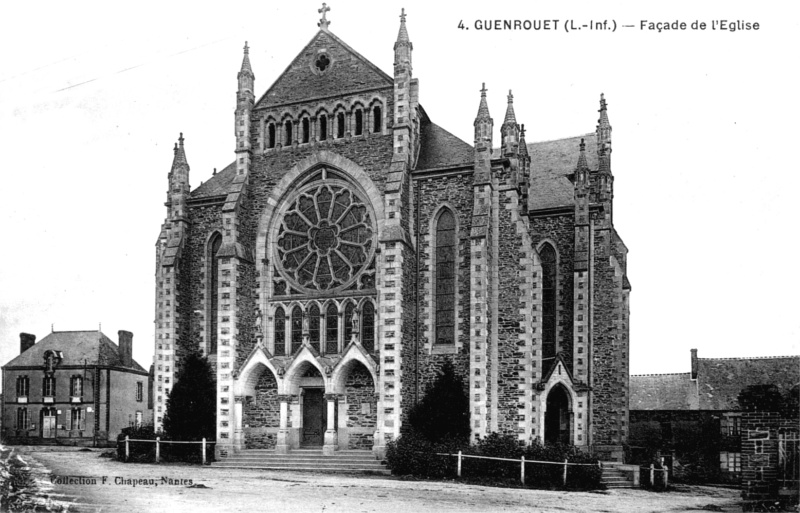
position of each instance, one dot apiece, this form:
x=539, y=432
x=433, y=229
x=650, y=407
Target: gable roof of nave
x=349, y=72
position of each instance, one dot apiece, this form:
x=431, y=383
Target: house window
x=22, y=418
x=271, y=135
x=297, y=328
x=138, y=419
x=76, y=386
x=549, y=279
x=731, y=425
x=730, y=461
x=340, y=125
x=280, y=332
x=140, y=390
x=323, y=127
x=49, y=386
x=306, y=130
x=77, y=419
x=359, y=122
x=23, y=386
x=331, y=330
x=368, y=327
x=313, y=327
x=348, y=323
x=376, y=119
x=444, y=278
x=213, y=291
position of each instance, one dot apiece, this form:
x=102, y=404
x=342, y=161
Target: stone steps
x=615, y=478
x=309, y=460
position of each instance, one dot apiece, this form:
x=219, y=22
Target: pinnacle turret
x=484, y=124
x=523, y=146
x=510, y=129
x=403, y=46
x=510, y=116
x=180, y=153
x=603, y=129
x=246, y=60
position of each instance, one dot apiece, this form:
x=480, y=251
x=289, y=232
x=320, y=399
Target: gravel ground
x=167, y=487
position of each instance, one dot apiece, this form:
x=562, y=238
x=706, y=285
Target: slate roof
x=440, y=148
x=551, y=164
x=719, y=380
x=77, y=347
x=663, y=392
x=718, y=384
x=217, y=185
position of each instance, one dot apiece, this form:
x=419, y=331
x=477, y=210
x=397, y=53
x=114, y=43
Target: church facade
x=354, y=246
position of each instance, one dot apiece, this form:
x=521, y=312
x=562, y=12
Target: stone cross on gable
x=323, y=23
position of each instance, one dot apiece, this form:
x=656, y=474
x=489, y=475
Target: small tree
x=191, y=406
x=444, y=410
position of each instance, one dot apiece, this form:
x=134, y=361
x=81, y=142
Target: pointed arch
x=549, y=261
x=444, y=255
x=213, y=245
x=254, y=367
x=294, y=373
x=352, y=357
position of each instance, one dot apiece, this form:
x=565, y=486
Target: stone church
x=354, y=246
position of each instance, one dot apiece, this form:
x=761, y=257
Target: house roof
x=663, y=392
x=719, y=380
x=440, y=148
x=217, y=185
x=77, y=347
x=717, y=386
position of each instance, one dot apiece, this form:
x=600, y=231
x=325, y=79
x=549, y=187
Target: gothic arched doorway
x=557, y=417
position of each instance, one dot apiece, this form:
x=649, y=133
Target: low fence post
x=458, y=465
x=158, y=448
x=652, y=475
x=127, y=448
x=522, y=470
x=565, y=472
x=204, y=451
x=666, y=476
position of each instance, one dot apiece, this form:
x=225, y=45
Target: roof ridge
x=661, y=374
x=752, y=357
x=587, y=134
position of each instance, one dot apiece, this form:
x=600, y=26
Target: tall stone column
x=238, y=433
x=282, y=446
x=331, y=436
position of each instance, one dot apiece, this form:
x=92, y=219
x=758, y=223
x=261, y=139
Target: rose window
x=326, y=237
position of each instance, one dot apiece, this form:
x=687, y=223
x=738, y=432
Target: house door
x=48, y=423
x=314, y=417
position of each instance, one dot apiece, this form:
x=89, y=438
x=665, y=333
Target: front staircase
x=614, y=477
x=353, y=462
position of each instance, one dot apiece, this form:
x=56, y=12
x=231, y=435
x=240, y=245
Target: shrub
x=191, y=406
x=140, y=452
x=443, y=413
x=413, y=454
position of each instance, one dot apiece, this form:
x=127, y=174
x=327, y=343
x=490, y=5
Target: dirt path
x=147, y=488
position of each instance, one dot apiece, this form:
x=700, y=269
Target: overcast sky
x=93, y=97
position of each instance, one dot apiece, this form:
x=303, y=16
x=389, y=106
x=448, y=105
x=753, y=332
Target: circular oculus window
x=326, y=237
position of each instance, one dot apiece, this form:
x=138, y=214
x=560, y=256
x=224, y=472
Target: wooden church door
x=314, y=417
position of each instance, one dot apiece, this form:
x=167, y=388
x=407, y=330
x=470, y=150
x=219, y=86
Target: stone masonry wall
x=362, y=408
x=560, y=230
x=261, y=414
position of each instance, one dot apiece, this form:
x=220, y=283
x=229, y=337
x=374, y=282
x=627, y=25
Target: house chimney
x=694, y=363
x=26, y=341
x=126, y=347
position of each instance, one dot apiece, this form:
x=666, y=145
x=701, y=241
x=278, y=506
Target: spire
x=510, y=116
x=323, y=22
x=402, y=35
x=523, y=146
x=484, y=124
x=246, y=60
x=582, y=163
x=180, y=154
x=603, y=129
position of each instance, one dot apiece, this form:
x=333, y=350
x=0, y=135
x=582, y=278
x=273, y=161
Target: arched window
x=323, y=127
x=377, y=122
x=271, y=135
x=280, y=333
x=306, y=130
x=288, y=133
x=331, y=330
x=368, y=327
x=348, y=324
x=297, y=328
x=313, y=327
x=445, y=278
x=549, y=279
x=359, y=122
x=340, y=125
x=213, y=292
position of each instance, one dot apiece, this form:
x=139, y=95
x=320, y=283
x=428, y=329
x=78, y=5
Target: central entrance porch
x=315, y=417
